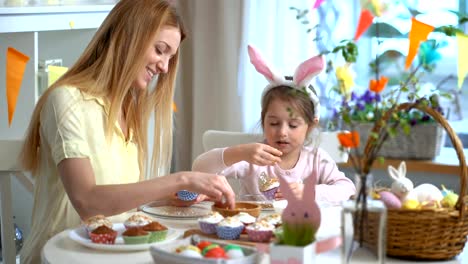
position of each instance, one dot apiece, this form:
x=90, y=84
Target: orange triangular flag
x=365, y=21
x=462, y=41
x=15, y=66
x=418, y=33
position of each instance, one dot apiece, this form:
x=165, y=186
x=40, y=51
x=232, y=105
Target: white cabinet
x=42, y=32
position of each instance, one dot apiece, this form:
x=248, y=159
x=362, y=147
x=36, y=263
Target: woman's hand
x=214, y=187
x=254, y=153
x=296, y=187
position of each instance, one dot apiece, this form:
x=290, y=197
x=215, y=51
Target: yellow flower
x=345, y=77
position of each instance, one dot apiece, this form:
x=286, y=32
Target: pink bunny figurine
x=301, y=217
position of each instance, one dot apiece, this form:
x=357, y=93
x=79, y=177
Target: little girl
x=289, y=113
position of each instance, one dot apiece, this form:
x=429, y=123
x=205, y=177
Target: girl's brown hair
x=299, y=100
x=107, y=68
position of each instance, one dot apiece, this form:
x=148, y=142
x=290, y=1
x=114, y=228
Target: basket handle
x=460, y=205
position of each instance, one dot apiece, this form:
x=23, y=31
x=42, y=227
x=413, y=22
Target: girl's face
x=284, y=128
x=165, y=45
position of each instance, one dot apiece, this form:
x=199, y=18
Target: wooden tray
x=243, y=240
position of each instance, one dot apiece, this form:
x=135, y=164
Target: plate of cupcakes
x=138, y=232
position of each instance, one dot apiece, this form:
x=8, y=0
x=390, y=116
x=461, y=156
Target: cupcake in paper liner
x=96, y=221
x=185, y=195
x=274, y=219
x=260, y=231
x=246, y=219
x=208, y=223
x=268, y=187
x=137, y=220
x=135, y=235
x=103, y=235
x=230, y=228
x=158, y=232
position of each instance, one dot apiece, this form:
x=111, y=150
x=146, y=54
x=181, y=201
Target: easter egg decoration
x=233, y=251
x=215, y=252
x=202, y=244
x=450, y=198
x=410, y=204
x=390, y=200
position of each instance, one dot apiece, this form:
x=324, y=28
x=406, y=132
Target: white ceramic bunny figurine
x=401, y=185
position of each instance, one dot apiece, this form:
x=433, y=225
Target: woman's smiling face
x=158, y=55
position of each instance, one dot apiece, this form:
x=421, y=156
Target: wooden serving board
x=243, y=240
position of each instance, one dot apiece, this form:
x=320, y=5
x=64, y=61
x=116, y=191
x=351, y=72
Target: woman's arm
x=90, y=199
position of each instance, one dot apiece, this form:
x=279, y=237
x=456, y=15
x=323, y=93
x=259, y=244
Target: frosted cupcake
x=158, y=232
x=135, y=235
x=260, y=231
x=185, y=195
x=268, y=187
x=103, y=235
x=137, y=220
x=246, y=219
x=208, y=223
x=229, y=228
x=274, y=219
x=96, y=221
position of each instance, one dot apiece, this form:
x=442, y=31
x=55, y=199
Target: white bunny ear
x=402, y=169
x=309, y=69
x=262, y=66
x=394, y=173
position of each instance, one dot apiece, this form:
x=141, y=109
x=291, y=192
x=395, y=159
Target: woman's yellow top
x=73, y=125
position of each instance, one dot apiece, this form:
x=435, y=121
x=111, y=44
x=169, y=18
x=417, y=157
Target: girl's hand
x=296, y=187
x=254, y=153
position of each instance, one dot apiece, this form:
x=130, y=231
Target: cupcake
x=137, y=220
x=260, y=231
x=274, y=219
x=268, y=187
x=229, y=228
x=103, y=235
x=95, y=222
x=185, y=195
x=135, y=235
x=246, y=219
x=158, y=232
x=208, y=223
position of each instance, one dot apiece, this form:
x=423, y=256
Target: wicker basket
x=427, y=234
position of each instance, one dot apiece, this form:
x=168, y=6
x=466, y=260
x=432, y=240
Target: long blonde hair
x=107, y=69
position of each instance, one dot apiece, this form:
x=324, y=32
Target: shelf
x=446, y=163
x=49, y=18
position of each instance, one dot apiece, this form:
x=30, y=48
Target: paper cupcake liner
x=229, y=233
x=156, y=236
x=103, y=238
x=207, y=228
x=186, y=195
x=259, y=235
x=132, y=240
x=270, y=194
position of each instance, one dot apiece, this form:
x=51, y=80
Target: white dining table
x=62, y=249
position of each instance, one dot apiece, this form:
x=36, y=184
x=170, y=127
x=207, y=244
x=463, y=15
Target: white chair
x=217, y=139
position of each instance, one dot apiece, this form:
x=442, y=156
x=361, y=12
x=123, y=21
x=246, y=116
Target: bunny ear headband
x=302, y=76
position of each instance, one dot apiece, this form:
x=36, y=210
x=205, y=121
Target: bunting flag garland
x=15, y=66
x=418, y=33
x=462, y=41
x=365, y=21
x=317, y=3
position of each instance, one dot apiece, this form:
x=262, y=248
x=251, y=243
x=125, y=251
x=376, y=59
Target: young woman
x=87, y=141
x=289, y=113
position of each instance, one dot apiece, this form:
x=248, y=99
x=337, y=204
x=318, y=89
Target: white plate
x=161, y=209
x=80, y=236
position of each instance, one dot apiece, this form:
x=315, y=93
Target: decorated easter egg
x=215, y=252
x=411, y=204
x=234, y=251
x=390, y=200
x=191, y=253
x=208, y=248
x=188, y=247
x=450, y=198
x=202, y=244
